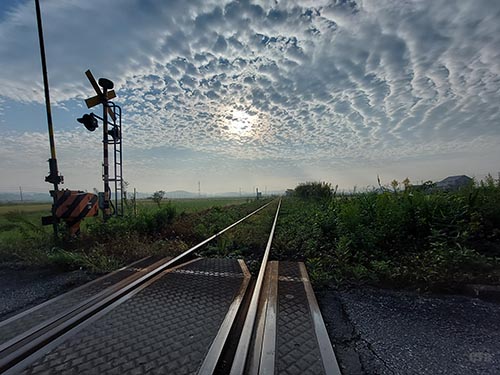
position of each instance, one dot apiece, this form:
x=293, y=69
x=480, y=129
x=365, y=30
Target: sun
x=240, y=123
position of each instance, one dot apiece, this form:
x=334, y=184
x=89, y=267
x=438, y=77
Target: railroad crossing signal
x=100, y=98
x=89, y=121
x=110, y=136
x=96, y=100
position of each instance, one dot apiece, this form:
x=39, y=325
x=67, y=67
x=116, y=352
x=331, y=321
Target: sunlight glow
x=240, y=123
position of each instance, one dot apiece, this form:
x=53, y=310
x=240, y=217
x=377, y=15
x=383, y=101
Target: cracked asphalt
x=377, y=331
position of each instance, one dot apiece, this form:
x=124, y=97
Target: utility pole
x=135, y=202
x=53, y=176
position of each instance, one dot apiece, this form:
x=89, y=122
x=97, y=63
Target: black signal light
x=89, y=121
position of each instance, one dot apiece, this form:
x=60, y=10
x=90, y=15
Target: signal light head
x=106, y=83
x=89, y=121
x=114, y=133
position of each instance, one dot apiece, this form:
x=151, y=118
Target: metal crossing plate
x=297, y=348
x=303, y=346
x=168, y=327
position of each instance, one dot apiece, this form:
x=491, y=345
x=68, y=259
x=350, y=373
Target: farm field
x=195, y=204
x=34, y=211
x=188, y=205
x=399, y=237
x=24, y=207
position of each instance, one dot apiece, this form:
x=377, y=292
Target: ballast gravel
x=24, y=287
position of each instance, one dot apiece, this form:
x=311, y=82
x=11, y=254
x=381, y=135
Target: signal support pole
x=106, y=85
x=107, y=191
x=53, y=176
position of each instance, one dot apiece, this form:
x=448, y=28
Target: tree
x=406, y=183
x=395, y=185
x=158, y=196
x=314, y=190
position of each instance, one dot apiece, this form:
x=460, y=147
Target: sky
x=244, y=94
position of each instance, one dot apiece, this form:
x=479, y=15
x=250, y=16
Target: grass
x=187, y=205
x=30, y=211
x=33, y=212
x=167, y=229
x=24, y=207
x=194, y=205
x=408, y=237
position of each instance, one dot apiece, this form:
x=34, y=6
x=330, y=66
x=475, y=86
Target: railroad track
x=183, y=315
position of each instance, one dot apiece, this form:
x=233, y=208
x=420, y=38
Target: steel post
x=53, y=176
x=107, y=191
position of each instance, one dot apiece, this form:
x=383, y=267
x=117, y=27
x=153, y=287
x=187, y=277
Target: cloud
x=2, y=110
x=346, y=83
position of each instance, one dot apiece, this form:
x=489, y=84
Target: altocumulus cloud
x=340, y=84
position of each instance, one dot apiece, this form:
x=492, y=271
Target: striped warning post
x=73, y=206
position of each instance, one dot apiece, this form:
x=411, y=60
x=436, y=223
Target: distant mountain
x=176, y=194
x=247, y=194
x=230, y=194
x=182, y=194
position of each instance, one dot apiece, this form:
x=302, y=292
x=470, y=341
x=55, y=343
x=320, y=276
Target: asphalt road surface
x=378, y=331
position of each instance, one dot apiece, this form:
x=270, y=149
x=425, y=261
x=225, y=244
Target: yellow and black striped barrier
x=73, y=206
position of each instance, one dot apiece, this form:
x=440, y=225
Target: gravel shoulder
x=377, y=331
x=22, y=287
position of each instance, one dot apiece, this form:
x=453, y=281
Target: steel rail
x=17, y=368
x=214, y=353
x=242, y=351
x=43, y=335
x=268, y=356
x=71, y=292
x=15, y=342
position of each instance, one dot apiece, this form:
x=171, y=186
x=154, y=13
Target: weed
x=105, y=246
x=412, y=237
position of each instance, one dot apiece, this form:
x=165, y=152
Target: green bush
x=316, y=190
x=407, y=238
x=151, y=222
